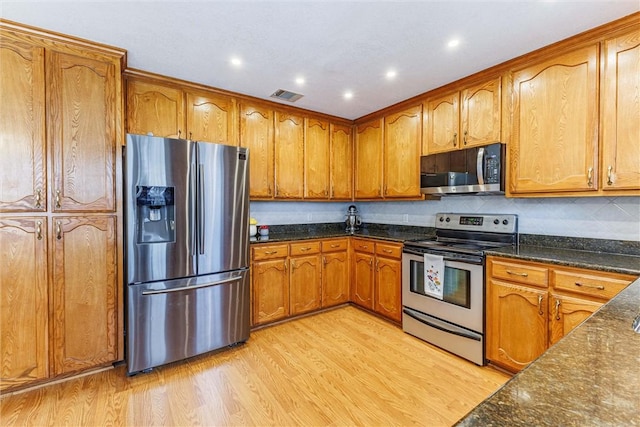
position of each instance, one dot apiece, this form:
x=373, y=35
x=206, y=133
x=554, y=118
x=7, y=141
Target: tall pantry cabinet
x=60, y=213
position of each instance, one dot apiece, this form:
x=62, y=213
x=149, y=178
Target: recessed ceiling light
x=453, y=43
x=236, y=61
x=348, y=95
x=391, y=74
x=300, y=81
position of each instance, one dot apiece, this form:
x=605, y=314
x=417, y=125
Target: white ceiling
x=336, y=45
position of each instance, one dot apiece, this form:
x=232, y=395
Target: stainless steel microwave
x=475, y=170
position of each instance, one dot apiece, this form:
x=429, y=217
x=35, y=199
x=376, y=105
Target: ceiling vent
x=285, y=95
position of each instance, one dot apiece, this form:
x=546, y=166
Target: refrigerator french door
x=187, y=249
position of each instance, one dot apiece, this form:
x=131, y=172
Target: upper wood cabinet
x=155, y=108
x=554, y=131
x=317, y=151
x=171, y=110
x=620, y=166
x=442, y=124
x=368, y=160
x=463, y=118
x=402, y=141
x=341, y=162
x=289, y=156
x=23, y=185
x=211, y=118
x=82, y=131
x=24, y=317
x=257, y=134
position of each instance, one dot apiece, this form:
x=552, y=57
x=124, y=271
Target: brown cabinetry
x=341, y=174
x=530, y=306
x=620, y=165
x=270, y=283
x=257, y=134
x=305, y=285
x=368, y=160
x=317, y=153
x=289, y=156
x=465, y=118
x=168, y=108
x=554, y=132
x=335, y=272
x=68, y=313
x=377, y=276
x=402, y=146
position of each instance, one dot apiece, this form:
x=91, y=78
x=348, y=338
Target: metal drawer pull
x=58, y=199
x=39, y=230
x=517, y=274
x=190, y=288
x=609, y=170
x=557, y=309
x=305, y=249
x=363, y=246
x=270, y=252
x=58, y=230
x=387, y=251
x=590, y=177
x=586, y=285
x=540, y=312
x=335, y=246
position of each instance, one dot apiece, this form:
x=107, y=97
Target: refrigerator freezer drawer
x=173, y=320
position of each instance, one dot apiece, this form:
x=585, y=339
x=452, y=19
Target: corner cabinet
x=62, y=120
x=554, y=142
x=530, y=306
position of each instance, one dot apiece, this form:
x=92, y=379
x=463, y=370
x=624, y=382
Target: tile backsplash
x=616, y=218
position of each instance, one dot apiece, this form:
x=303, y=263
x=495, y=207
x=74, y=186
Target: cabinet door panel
x=442, y=127
x=304, y=284
x=335, y=278
x=84, y=292
x=256, y=134
x=270, y=291
x=555, y=125
x=388, y=300
x=23, y=297
x=402, y=144
x=480, y=116
x=512, y=310
x=341, y=163
x=621, y=113
x=316, y=159
x=289, y=159
x=368, y=163
x=22, y=137
x=154, y=108
x=363, y=278
x=566, y=313
x=82, y=130
x=211, y=118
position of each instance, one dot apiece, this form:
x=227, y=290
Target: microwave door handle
x=480, y=165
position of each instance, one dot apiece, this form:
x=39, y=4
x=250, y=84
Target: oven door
x=463, y=296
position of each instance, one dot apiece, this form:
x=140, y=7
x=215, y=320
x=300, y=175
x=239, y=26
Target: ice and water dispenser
x=155, y=214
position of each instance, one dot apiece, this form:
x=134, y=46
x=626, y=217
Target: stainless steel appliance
x=455, y=321
x=475, y=170
x=187, y=243
x=353, y=219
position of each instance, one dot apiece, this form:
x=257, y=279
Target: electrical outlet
x=405, y=218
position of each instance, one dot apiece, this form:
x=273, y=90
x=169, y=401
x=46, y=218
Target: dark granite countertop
x=396, y=233
x=589, y=378
x=616, y=263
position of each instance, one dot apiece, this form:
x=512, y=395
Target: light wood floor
x=342, y=367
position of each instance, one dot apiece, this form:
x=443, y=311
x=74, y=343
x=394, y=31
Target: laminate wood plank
x=336, y=368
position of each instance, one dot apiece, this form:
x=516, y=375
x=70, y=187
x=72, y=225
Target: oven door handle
x=441, y=325
x=469, y=259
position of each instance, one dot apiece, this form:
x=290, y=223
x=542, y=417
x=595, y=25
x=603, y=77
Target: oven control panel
x=494, y=223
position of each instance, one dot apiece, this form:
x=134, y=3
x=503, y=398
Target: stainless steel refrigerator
x=187, y=243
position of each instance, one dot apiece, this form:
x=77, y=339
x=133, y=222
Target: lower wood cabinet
x=531, y=306
x=77, y=304
x=377, y=277
x=305, y=285
x=335, y=272
x=270, y=283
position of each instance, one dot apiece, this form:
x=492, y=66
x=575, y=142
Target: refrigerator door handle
x=189, y=288
x=201, y=219
x=192, y=211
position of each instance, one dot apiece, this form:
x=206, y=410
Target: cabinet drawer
x=269, y=252
x=362, y=245
x=522, y=273
x=590, y=283
x=389, y=250
x=335, y=245
x=305, y=248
